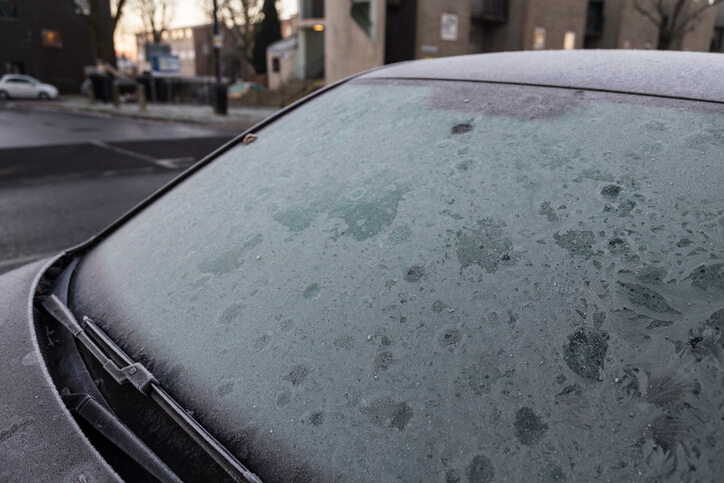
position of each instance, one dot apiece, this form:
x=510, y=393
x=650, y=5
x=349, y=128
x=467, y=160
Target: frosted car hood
x=39, y=440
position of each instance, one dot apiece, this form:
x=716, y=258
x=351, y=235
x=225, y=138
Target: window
x=717, y=41
x=275, y=64
x=14, y=67
x=82, y=7
x=539, y=38
x=164, y=35
x=51, y=39
x=189, y=33
x=191, y=54
x=569, y=41
x=427, y=276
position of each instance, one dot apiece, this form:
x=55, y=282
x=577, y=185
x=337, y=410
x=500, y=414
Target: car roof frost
x=687, y=75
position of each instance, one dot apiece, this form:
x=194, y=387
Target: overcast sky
x=189, y=12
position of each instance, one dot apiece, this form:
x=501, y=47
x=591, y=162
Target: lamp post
x=220, y=99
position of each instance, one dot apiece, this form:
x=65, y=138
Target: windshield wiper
x=124, y=370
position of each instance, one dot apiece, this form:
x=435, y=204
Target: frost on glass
x=451, y=282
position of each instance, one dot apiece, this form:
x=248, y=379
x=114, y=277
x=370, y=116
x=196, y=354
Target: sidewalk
x=238, y=118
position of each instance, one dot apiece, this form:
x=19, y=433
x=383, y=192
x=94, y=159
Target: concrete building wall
x=634, y=31
x=347, y=48
x=557, y=17
x=626, y=28
x=699, y=39
x=429, y=39
x=499, y=36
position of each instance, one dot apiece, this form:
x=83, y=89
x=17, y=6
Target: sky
x=189, y=12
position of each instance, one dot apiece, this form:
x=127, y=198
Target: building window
x=51, y=39
x=13, y=68
x=569, y=41
x=191, y=54
x=539, y=38
x=717, y=41
x=7, y=9
x=189, y=33
x=82, y=7
x=164, y=35
x=275, y=64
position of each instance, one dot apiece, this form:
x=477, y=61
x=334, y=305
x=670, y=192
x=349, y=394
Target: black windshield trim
x=549, y=86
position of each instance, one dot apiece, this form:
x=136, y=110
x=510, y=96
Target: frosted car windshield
x=441, y=280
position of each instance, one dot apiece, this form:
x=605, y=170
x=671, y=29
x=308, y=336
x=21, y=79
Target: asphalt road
x=64, y=177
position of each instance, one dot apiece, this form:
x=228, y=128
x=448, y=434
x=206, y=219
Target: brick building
x=51, y=40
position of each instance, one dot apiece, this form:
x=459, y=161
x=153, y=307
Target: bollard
x=91, y=94
x=141, y=89
x=116, y=95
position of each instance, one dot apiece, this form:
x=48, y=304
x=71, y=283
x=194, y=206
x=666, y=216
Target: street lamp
x=220, y=98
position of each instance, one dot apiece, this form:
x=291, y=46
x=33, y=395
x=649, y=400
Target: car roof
x=688, y=75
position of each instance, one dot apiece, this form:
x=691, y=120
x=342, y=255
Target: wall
x=429, y=42
x=699, y=39
x=557, y=17
x=347, y=48
x=286, y=67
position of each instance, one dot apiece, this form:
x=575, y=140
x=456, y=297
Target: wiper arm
x=124, y=370
x=108, y=425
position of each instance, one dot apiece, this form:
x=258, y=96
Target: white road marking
x=127, y=152
x=174, y=163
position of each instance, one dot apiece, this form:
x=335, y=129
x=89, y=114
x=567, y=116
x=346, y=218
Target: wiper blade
x=124, y=370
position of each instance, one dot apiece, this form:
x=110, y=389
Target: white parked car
x=25, y=87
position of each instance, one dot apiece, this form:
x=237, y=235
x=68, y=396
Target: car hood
x=39, y=440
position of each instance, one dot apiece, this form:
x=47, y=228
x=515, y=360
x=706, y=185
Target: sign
x=449, y=26
x=218, y=41
x=165, y=64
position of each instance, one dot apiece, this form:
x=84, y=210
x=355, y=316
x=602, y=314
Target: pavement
x=65, y=176
x=237, y=118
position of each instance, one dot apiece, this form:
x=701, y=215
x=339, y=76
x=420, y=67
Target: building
x=280, y=62
x=51, y=40
x=615, y=24
x=337, y=39
x=194, y=48
x=717, y=40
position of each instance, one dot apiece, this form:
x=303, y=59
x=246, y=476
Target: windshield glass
x=441, y=281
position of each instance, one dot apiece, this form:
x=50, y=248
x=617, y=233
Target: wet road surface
x=64, y=177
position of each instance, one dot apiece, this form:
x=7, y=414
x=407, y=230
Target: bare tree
x=117, y=13
x=673, y=18
x=240, y=17
x=156, y=16
x=92, y=11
